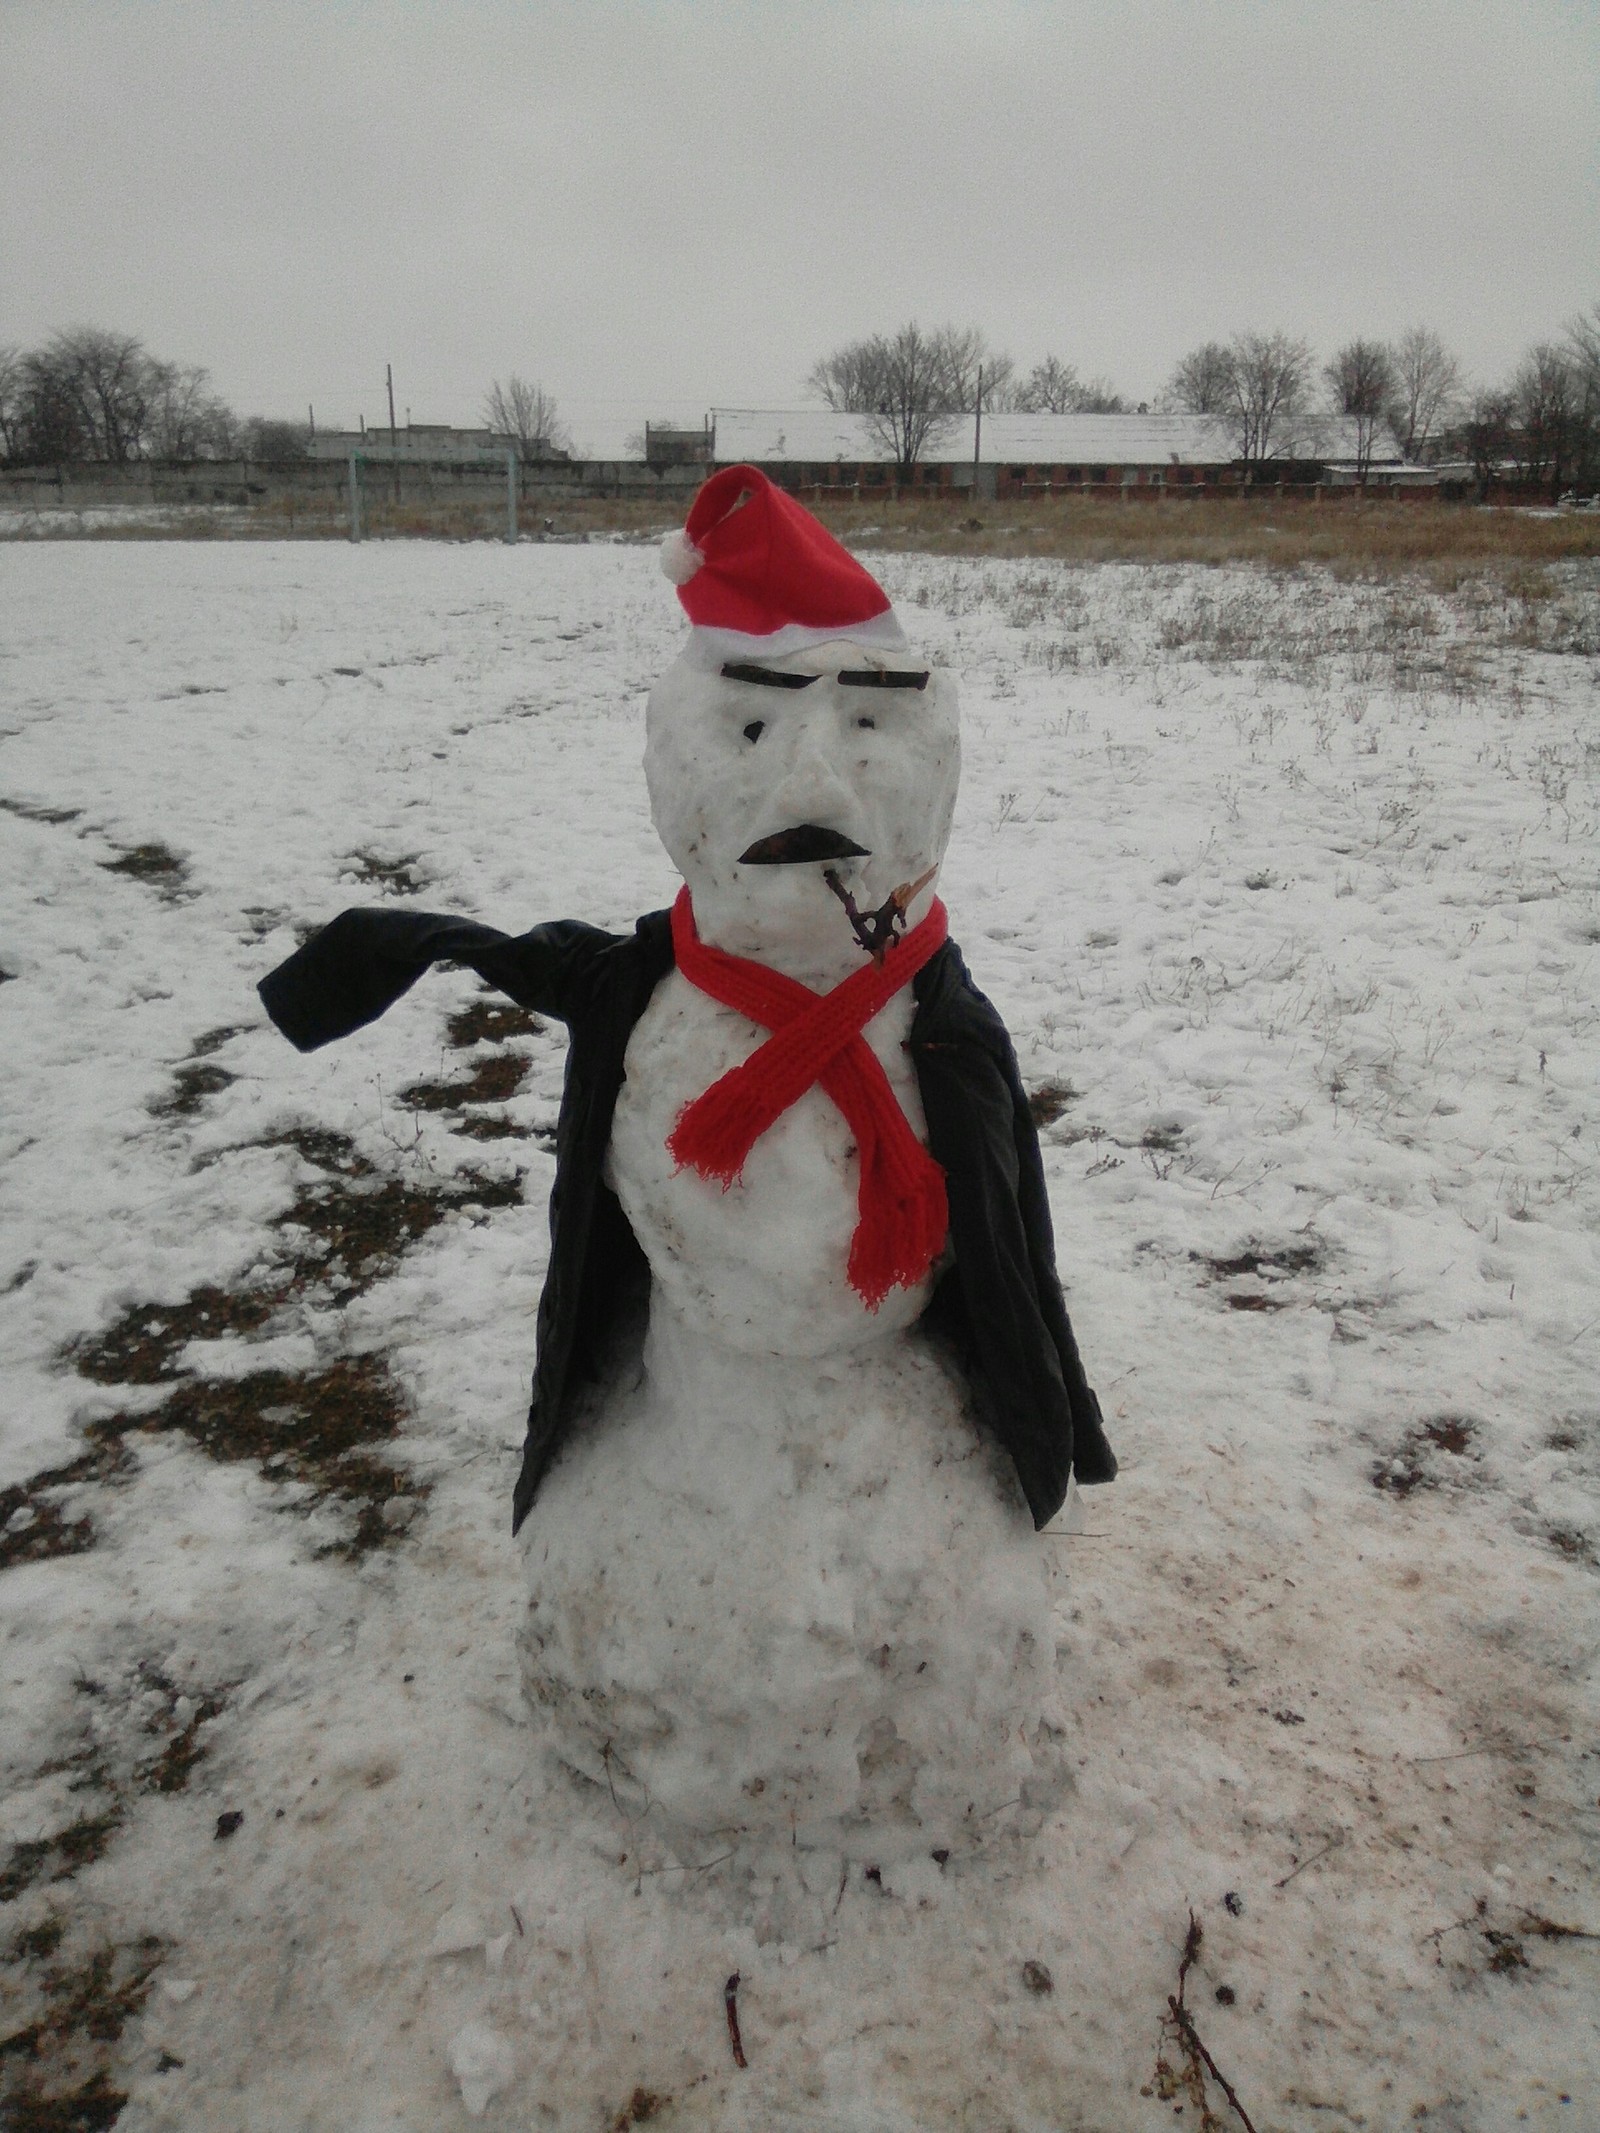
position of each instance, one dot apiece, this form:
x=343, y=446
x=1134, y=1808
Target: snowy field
x=1290, y=893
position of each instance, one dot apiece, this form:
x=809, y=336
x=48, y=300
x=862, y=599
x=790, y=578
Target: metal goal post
x=359, y=460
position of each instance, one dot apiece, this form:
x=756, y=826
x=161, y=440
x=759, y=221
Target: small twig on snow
x=730, y=2000
x=1332, y=1845
x=1181, y=2021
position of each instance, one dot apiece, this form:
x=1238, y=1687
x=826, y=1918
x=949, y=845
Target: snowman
x=805, y=1384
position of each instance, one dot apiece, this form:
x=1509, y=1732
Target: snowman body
x=781, y=1585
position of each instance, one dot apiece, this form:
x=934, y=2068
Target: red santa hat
x=758, y=575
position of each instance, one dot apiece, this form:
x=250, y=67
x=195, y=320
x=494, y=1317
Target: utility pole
x=394, y=463
x=977, y=431
x=311, y=420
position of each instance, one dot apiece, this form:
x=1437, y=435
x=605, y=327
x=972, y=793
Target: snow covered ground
x=1289, y=892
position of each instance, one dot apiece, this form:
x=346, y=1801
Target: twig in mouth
x=877, y=930
x=730, y=2000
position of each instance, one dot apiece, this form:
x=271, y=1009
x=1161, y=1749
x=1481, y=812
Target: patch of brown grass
x=1345, y=533
x=1349, y=537
x=56, y=2076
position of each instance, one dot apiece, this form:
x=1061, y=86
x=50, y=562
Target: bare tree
x=1361, y=385
x=1583, y=336
x=1055, y=388
x=11, y=381
x=911, y=385
x=1267, y=374
x=275, y=444
x=1202, y=384
x=186, y=420
x=107, y=376
x=527, y=413
x=1050, y=388
x=1486, y=436
x=1427, y=384
x=1546, y=415
x=971, y=361
x=1583, y=339
x=49, y=423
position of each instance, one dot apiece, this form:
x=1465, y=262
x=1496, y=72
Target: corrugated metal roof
x=817, y=436
x=820, y=437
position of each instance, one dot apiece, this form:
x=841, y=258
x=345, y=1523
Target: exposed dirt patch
x=212, y=1040
x=494, y=1080
x=354, y=1232
x=54, y=2072
x=1162, y=1140
x=93, y=2108
x=33, y=1524
x=317, y=1432
x=59, y=1857
x=1422, y=1460
x=36, y=1944
x=480, y=1128
x=1270, y=1262
x=263, y=919
x=491, y=1022
x=142, y=1346
x=152, y=863
x=402, y=876
x=33, y=1532
x=30, y=812
x=175, y=1718
x=1568, y=1541
x=640, y=2108
x=314, y=1432
x=1047, y=1102
x=323, y=1148
x=316, y=1428
x=192, y=1083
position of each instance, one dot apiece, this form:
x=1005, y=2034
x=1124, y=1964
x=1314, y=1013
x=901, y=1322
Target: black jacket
x=1000, y=1300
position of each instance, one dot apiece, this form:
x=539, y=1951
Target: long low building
x=1010, y=455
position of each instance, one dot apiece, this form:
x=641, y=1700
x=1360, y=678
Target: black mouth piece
x=793, y=847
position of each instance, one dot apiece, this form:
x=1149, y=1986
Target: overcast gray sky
x=655, y=208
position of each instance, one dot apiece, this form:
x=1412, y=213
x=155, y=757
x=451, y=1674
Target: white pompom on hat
x=680, y=558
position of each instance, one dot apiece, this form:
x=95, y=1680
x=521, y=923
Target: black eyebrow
x=876, y=678
x=766, y=677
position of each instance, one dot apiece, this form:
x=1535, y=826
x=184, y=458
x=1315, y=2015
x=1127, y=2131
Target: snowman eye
x=872, y=722
x=755, y=729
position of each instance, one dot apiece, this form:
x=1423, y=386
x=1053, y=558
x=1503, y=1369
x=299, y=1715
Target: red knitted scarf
x=817, y=1038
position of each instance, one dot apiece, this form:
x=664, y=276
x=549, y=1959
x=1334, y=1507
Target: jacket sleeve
x=354, y=969
x=1017, y=1371
x=1007, y=1310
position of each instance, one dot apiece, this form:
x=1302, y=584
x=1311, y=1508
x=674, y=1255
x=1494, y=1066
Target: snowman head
x=798, y=737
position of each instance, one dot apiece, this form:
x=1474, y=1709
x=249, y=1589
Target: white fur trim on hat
x=680, y=558
x=880, y=633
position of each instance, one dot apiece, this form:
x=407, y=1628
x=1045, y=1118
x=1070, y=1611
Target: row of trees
x=1267, y=388
x=90, y=394
x=913, y=385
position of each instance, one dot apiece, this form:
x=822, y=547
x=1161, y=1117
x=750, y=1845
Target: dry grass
x=1346, y=535
x=1350, y=538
